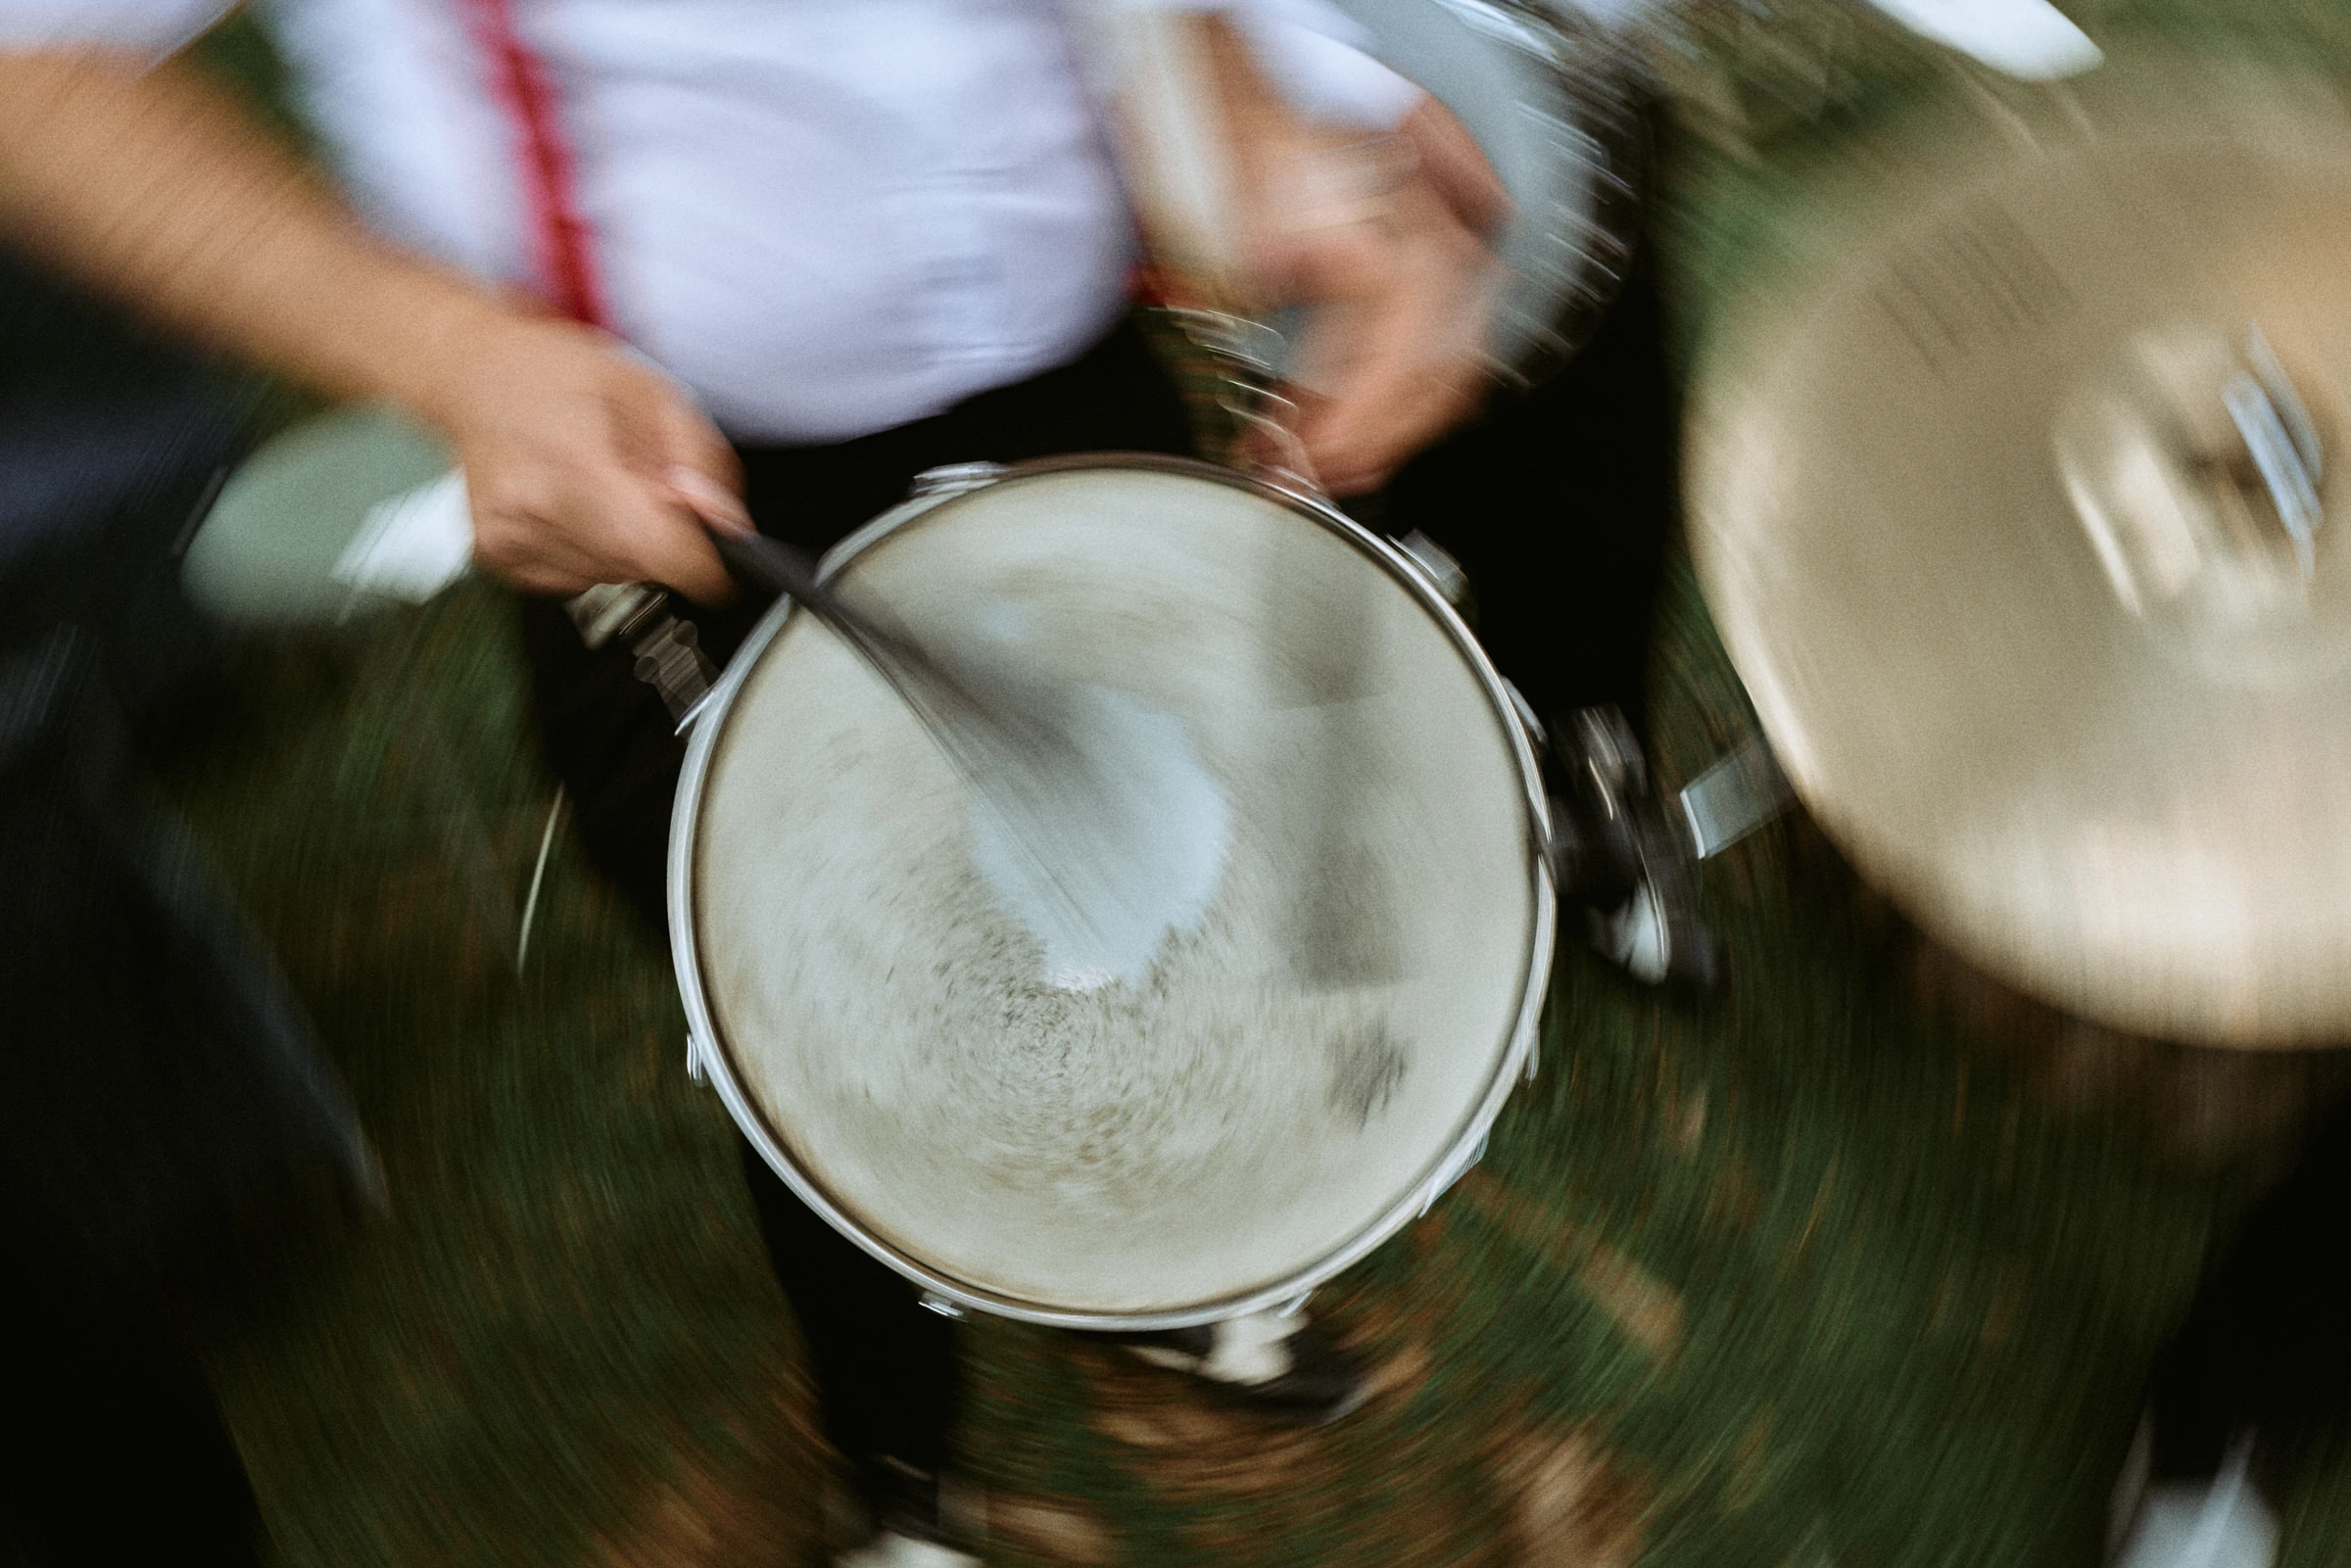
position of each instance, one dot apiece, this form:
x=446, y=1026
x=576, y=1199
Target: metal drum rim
x=705, y=1043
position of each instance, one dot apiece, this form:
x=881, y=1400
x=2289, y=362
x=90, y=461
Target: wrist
x=424, y=344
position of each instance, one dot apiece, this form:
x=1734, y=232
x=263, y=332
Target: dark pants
x=1559, y=506
x=114, y=1453
x=2267, y=1347
x=163, y=1115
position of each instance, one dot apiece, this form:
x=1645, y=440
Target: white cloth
x=153, y=27
x=1318, y=56
x=2223, y=1523
x=2029, y=39
x=822, y=217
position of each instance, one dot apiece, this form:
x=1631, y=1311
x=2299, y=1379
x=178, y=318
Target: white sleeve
x=154, y=28
x=1314, y=52
x=1318, y=56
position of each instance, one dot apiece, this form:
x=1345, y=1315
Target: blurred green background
x=1860, y=1268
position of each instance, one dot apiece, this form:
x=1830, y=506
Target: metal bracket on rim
x=1250, y=351
x=1536, y=730
x=669, y=658
x=1443, y=573
x=1454, y=1171
x=1734, y=797
x=954, y=479
x=2282, y=441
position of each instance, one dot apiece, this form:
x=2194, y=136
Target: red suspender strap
x=561, y=244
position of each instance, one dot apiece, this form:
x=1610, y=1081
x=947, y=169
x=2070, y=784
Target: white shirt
x=822, y=217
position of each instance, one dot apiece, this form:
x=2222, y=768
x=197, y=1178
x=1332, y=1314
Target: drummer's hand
x=583, y=464
x=1402, y=287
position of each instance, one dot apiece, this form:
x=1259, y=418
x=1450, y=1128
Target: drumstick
x=984, y=727
x=1077, y=785
x=758, y=560
x=944, y=700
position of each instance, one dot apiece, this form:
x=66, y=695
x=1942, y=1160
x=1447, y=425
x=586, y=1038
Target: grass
x=1813, y=1276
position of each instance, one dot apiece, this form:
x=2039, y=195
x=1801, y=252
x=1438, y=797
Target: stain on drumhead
x=1366, y=1068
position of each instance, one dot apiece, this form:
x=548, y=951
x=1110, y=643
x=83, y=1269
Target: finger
x=546, y=581
x=713, y=503
x=522, y=552
x=1393, y=344
x=674, y=550
x=659, y=433
x=640, y=538
x=1457, y=167
x=1355, y=455
x=659, y=524
x=1357, y=438
x=693, y=443
x=1414, y=371
x=518, y=546
x=636, y=529
x=1388, y=401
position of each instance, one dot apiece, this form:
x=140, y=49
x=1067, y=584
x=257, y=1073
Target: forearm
x=154, y=188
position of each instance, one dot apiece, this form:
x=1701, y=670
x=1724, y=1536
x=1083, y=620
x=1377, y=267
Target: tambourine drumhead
x=1292, y=1078
x=1541, y=91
